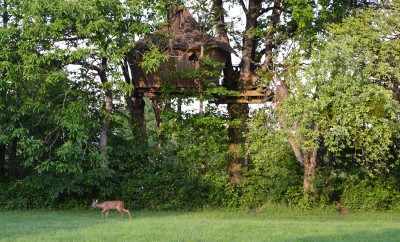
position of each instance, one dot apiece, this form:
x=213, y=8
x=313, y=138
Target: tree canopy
x=74, y=124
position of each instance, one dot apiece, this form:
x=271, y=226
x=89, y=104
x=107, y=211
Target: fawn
x=106, y=206
x=342, y=210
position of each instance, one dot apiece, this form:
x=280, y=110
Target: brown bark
x=237, y=112
x=310, y=165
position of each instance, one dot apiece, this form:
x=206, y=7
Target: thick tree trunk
x=310, y=165
x=250, y=43
x=236, y=111
x=136, y=106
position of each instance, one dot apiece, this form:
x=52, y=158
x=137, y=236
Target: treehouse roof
x=182, y=33
x=184, y=41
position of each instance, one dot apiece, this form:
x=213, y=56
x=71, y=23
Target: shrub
x=370, y=194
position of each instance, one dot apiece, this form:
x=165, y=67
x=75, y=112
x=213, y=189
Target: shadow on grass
x=385, y=235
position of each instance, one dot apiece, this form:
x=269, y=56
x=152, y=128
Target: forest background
x=70, y=130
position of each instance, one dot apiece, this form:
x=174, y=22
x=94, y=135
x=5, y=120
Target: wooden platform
x=247, y=96
x=254, y=96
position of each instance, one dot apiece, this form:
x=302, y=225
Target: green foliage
x=338, y=100
x=152, y=60
x=189, y=170
x=370, y=194
x=273, y=170
x=344, y=102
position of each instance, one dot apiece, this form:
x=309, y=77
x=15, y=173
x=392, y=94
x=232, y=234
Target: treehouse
x=192, y=61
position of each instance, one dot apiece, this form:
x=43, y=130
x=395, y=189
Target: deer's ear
x=97, y=201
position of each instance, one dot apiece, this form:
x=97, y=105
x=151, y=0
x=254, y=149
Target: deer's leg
x=127, y=211
x=120, y=211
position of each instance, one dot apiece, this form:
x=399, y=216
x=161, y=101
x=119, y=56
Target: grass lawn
x=273, y=224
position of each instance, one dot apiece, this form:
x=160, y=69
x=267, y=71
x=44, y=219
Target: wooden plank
x=246, y=96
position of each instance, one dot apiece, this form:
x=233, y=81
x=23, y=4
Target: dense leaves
x=64, y=90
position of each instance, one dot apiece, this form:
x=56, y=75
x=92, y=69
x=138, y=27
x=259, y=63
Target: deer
x=341, y=210
x=106, y=206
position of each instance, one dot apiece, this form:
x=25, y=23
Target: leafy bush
x=274, y=173
x=370, y=194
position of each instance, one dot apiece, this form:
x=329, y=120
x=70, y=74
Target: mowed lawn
x=274, y=224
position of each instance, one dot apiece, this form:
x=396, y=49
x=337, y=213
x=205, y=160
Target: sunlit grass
x=271, y=224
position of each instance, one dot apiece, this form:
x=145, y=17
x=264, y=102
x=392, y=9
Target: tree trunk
x=201, y=106
x=108, y=107
x=310, y=165
x=3, y=150
x=250, y=43
x=396, y=91
x=234, y=82
x=5, y=14
x=105, y=130
x=13, y=166
x=157, y=108
x=268, y=64
x=306, y=158
x=231, y=78
x=179, y=106
x=236, y=131
x=136, y=106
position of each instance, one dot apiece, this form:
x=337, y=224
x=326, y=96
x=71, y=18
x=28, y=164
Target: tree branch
x=241, y=2
x=265, y=10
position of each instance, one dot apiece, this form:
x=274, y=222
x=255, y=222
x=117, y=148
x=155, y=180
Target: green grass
x=273, y=224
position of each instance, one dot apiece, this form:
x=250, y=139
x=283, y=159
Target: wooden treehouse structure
x=186, y=48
